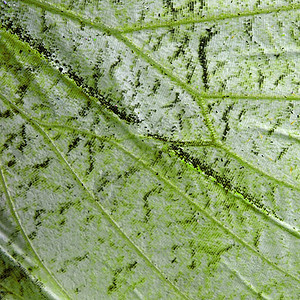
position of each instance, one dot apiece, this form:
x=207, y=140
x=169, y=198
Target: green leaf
x=149, y=149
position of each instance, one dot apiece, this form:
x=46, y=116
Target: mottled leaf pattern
x=149, y=149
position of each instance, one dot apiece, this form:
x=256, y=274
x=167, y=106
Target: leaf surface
x=149, y=150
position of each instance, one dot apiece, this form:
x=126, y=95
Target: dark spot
x=11, y=163
x=157, y=45
x=243, y=111
x=156, y=85
x=260, y=79
x=181, y=48
x=114, y=286
x=146, y=206
x=64, y=207
x=114, y=66
x=89, y=218
x=62, y=270
x=23, y=144
x=192, y=266
x=90, y=144
x=6, y=114
x=282, y=153
x=248, y=28
x=7, y=272
x=279, y=79
x=74, y=144
x=80, y=258
x=169, y=5
x=256, y=239
x=38, y=213
x=203, y=42
x=22, y=90
x=62, y=222
x=226, y=120
x=42, y=165
x=132, y=266
x=174, y=247
x=32, y=235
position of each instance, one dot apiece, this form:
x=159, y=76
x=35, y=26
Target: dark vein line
x=19, y=223
x=222, y=226
x=268, y=215
x=196, y=205
x=264, y=212
x=167, y=182
x=250, y=97
x=197, y=143
x=61, y=157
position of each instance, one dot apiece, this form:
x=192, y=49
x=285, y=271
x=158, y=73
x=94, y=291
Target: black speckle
x=23, y=144
x=7, y=272
x=132, y=266
x=146, y=206
x=62, y=222
x=114, y=286
x=74, y=144
x=64, y=207
x=42, y=165
x=282, y=153
x=6, y=114
x=32, y=235
x=203, y=42
x=192, y=266
x=11, y=163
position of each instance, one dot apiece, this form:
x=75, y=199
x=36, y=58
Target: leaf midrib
x=194, y=93
x=243, y=162
x=265, y=213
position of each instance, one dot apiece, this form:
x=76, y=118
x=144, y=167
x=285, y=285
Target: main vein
x=165, y=180
x=210, y=143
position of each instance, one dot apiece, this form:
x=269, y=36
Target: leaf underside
x=149, y=149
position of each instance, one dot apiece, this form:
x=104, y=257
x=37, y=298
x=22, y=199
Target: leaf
x=149, y=150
